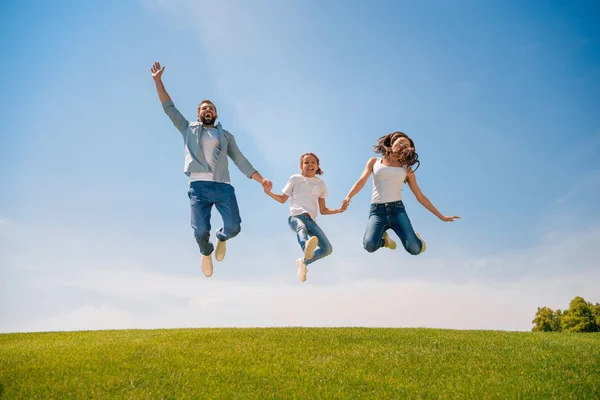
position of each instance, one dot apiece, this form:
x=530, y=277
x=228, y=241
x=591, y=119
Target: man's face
x=207, y=114
x=309, y=166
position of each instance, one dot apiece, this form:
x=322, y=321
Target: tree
x=546, y=320
x=580, y=317
x=596, y=314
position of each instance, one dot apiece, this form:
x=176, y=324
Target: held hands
x=157, y=71
x=267, y=185
x=343, y=207
x=345, y=203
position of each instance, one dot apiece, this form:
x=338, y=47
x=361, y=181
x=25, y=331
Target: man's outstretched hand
x=157, y=71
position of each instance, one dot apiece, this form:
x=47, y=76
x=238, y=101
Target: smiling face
x=207, y=113
x=309, y=165
x=400, y=145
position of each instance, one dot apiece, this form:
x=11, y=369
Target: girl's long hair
x=319, y=170
x=409, y=156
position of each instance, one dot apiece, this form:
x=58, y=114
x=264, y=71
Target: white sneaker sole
x=309, y=249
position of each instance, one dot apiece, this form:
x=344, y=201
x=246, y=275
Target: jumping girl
x=306, y=191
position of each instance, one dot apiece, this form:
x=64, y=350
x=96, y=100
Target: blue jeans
x=305, y=227
x=203, y=194
x=390, y=215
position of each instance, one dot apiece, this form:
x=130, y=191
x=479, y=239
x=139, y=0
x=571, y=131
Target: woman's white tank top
x=387, y=183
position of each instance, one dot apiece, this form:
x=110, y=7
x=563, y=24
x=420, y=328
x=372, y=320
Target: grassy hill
x=299, y=363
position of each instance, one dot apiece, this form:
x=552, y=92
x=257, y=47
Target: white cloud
x=214, y=303
x=381, y=289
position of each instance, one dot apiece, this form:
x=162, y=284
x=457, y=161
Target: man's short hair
x=206, y=101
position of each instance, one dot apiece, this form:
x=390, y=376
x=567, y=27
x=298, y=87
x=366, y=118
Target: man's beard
x=207, y=121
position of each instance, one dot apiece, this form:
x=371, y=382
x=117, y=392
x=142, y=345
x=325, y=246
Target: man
x=206, y=150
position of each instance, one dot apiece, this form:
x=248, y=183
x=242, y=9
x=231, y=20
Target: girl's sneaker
x=309, y=248
x=302, y=270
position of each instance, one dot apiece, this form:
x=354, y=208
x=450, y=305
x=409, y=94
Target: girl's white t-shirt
x=304, y=194
x=387, y=183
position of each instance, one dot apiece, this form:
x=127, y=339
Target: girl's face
x=309, y=166
x=400, y=144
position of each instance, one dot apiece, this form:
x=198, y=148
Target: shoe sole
x=311, y=245
x=422, y=241
x=220, y=250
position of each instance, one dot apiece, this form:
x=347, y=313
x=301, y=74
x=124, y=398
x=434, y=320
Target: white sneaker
x=207, y=265
x=388, y=242
x=310, y=246
x=220, y=250
x=422, y=241
x=302, y=270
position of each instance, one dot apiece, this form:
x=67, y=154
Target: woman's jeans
x=203, y=194
x=305, y=227
x=390, y=215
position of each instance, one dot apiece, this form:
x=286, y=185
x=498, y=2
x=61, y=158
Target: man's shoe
x=207, y=265
x=388, y=242
x=302, y=270
x=422, y=241
x=309, y=248
x=220, y=250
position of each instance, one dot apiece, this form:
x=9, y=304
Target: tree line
x=581, y=316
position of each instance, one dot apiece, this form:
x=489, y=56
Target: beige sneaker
x=388, y=242
x=207, y=266
x=422, y=241
x=302, y=270
x=220, y=250
x=309, y=248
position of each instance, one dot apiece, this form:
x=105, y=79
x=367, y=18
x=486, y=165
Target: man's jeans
x=390, y=215
x=305, y=227
x=203, y=194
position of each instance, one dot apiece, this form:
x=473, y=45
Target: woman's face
x=400, y=144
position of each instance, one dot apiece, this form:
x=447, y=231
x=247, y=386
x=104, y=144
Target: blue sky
x=502, y=100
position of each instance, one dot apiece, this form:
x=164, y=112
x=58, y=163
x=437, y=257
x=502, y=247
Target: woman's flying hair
x=408, y=157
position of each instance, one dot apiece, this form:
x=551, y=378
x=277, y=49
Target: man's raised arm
x=157, y=72
x=180, y=122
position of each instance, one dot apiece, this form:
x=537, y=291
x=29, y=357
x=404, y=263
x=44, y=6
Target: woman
x=387, y=210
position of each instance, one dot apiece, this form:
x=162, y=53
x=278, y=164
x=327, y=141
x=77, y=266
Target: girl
x=305, y=190
x=387, y=210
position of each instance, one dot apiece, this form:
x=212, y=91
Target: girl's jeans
x=390, y=215
x=305, y=227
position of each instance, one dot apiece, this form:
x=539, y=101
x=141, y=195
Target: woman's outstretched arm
x=360, y=183
x=421, y=198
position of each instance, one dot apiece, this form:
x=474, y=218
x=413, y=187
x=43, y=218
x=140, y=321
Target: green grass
x=299, y=363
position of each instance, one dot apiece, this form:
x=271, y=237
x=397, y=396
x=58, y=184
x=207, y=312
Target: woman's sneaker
x=302, y=270
x=422, y=241
x=388, y=242
x=309, y=248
